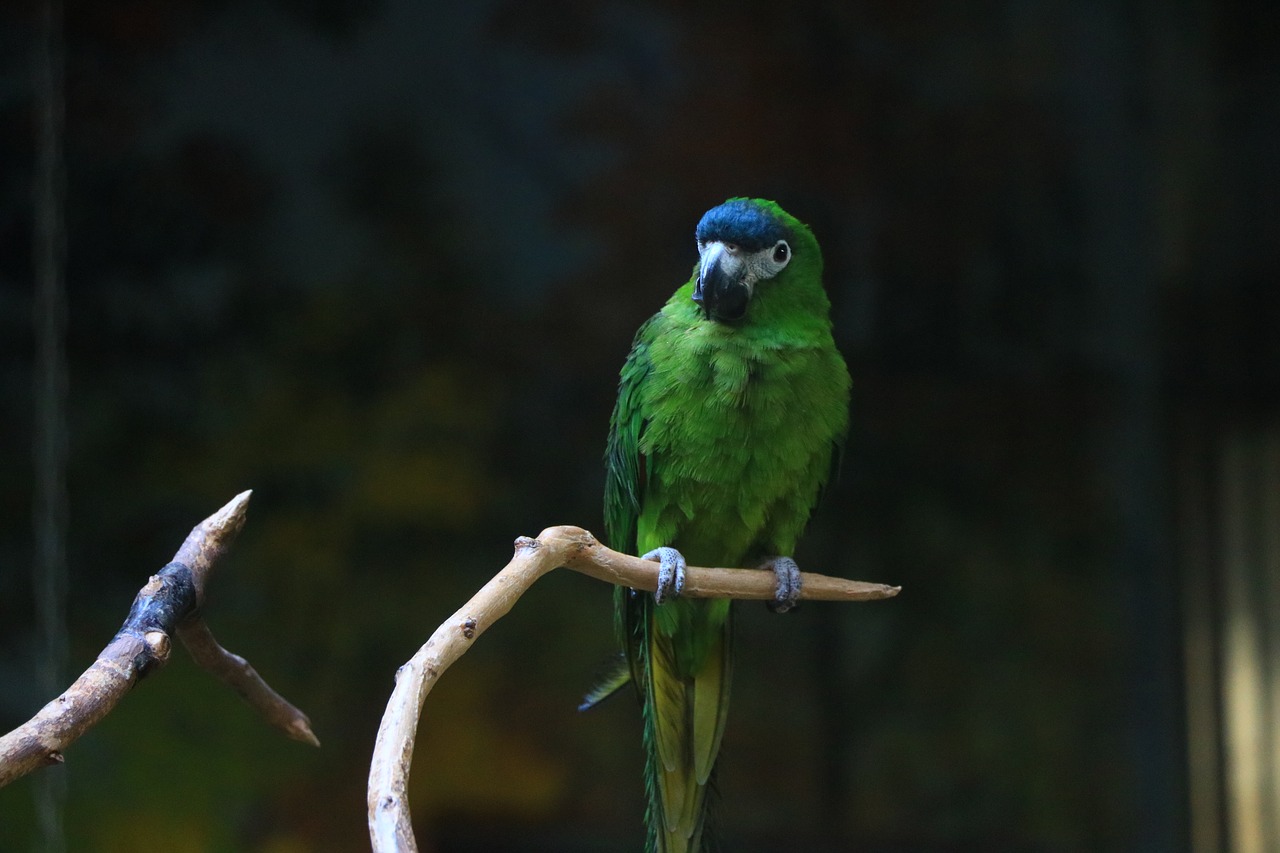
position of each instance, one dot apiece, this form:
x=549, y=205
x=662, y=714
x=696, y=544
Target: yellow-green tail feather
x=687, y=673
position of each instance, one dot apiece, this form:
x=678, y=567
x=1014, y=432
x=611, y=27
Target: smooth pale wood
x=390, y=822
x=586, y=554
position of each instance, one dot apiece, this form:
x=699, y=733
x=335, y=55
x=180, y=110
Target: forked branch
x=169, y=602
x=390, y=825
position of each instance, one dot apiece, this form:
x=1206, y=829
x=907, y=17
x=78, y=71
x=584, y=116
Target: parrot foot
x=670, y=572
x=787, y=592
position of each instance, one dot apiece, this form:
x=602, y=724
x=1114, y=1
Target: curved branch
x=168, y=603
x=390, y=824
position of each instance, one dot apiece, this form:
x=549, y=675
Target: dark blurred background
x=381, y=261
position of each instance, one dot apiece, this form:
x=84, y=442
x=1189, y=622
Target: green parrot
x=731, y=410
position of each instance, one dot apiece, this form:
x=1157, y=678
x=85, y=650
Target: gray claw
x=787, y=592
x=670, y=572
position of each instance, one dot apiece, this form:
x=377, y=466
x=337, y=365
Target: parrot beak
x=724, y=287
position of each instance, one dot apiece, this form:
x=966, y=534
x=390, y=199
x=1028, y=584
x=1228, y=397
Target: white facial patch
x=747, y=267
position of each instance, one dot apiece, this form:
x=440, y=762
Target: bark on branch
x=169, y=602
x=390, y=824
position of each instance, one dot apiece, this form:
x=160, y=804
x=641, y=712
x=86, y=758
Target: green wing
x=624, y=485
x=624, y=466
x=681, y=668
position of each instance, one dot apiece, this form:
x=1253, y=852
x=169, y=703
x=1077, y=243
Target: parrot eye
x=781, y=252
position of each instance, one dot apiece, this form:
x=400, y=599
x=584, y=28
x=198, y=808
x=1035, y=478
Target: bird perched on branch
x=731, y=409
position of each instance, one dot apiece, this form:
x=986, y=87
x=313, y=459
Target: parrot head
x=742, y=243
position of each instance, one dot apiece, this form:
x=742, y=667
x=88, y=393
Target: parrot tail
x=685, y=705
x=615, y=678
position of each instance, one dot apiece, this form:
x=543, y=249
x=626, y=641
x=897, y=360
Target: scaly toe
x=671, y=566
x=787, y=591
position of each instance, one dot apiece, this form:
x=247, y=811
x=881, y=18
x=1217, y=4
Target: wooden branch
x=390, y=824
x=170, y=601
